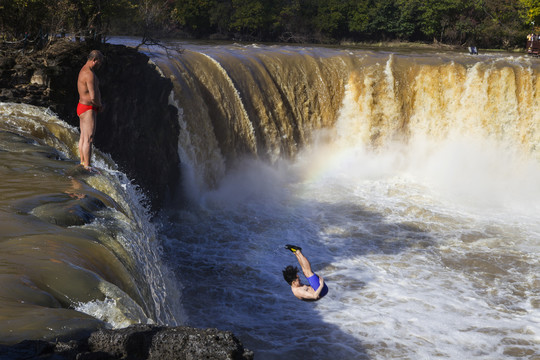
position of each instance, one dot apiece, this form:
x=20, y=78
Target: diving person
x=316, y=288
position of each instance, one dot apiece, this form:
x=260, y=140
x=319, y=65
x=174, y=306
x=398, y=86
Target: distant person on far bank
x=89, y=105
x=316, y=288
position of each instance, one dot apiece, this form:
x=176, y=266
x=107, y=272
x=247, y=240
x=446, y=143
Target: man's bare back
x=88, y=86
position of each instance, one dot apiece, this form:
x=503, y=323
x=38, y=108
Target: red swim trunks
x=82, y=108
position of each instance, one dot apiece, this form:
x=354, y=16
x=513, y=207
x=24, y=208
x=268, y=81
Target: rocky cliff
x=138, y=127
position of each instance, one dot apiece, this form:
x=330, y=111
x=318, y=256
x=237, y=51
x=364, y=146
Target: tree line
x=482, y=23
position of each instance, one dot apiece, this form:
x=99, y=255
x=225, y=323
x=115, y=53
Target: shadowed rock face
x=137, y=342
x=138, y=127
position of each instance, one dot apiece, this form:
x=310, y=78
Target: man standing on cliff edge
x=89, y=105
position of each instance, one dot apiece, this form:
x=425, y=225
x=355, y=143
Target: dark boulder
x=137, y=342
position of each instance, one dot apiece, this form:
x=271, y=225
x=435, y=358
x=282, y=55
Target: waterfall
x=410, y=179
x=271, y=102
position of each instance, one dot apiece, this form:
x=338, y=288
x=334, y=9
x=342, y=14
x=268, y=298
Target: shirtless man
x=89, y=104
x=316, y=288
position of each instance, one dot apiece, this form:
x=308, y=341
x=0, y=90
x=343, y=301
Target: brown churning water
x=73, y=246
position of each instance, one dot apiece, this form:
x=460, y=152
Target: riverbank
x=434, y=46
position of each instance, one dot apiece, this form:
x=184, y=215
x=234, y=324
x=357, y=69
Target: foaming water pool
x=410, y=180
x=416, y=269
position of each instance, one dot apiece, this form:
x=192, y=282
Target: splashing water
x=417, y=202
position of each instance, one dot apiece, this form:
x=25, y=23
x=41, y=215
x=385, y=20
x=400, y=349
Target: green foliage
x=52, y=17
x=531, y=11
x=360, y=15
x=485, y=23
x=220, y=16
x=194, y=14
x=331, y=18
x=385, y=18
x=409, y=12
x=20, y=16
x=437, y=15
x=248, y=16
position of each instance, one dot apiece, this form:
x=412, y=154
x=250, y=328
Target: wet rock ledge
x=138, y=127
x=134, y=343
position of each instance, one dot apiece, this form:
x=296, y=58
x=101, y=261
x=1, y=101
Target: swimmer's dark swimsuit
x=82, y=108
x=314, y=281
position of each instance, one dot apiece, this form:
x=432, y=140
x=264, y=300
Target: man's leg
x=88, y=128
x=304, y=263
